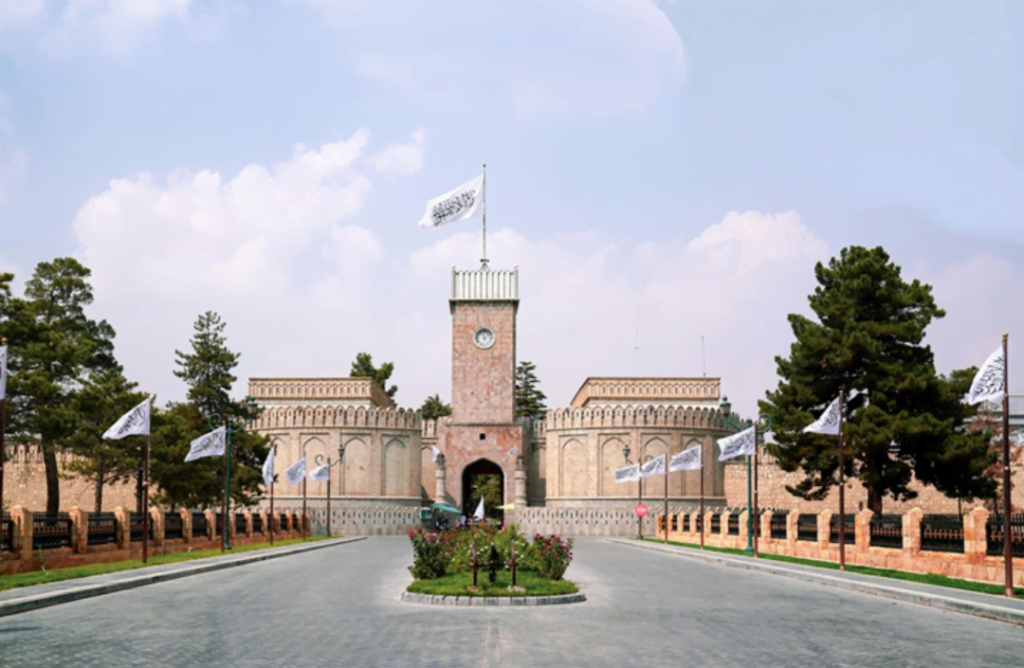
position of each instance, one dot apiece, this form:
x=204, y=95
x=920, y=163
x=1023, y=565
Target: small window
x=483, y=437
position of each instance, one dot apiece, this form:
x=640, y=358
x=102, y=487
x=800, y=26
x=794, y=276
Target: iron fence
x=200, y=527
x=240, y=524
x=887, y=531
x=994, y=535
x=174, y=527
x=942, y=533
x=136, y=528
x=257, y=523
x=282, y=522
x=6, y=533
x=51, y=531
x=716, y=523
x=850, y=533
x=102, y=529
x=218, y=525
x=777, y=528
x=807, y=527
x=734, y=524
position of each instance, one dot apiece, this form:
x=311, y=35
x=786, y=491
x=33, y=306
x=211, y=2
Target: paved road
x=340, y=607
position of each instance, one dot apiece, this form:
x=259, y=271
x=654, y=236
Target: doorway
x=484, y=478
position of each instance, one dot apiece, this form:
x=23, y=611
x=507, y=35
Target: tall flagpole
x=842, y=491
x=757, y=517
x=145, y=502
x=3, y=426
x=666, y=497
x=702, y=497
x=483, y=260
x=1007, y=506
x=272, y=517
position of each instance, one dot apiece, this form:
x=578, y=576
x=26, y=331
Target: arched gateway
x=479, y=478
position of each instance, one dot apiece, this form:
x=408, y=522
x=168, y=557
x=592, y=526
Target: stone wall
x=354, y=518
x=25, y=483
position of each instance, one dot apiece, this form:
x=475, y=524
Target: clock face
x=483, y=338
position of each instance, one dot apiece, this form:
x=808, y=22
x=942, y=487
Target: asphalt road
x=340, y=607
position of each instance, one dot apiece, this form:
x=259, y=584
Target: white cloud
x=15, y=13
x=401, y=159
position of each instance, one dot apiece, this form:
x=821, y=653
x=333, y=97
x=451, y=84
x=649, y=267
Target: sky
x=660, y=172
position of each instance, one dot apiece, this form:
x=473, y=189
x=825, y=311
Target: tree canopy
x=529, y=399
x=433, y=408
x=903, y=420
x=363, y=367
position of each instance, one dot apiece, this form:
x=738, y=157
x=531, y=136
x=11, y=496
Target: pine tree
x=363, y=367
x=433, y=408
x=207, y=369
x=903, y=419
x=529, y=399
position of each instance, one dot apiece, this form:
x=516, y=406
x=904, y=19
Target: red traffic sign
x=641, y=510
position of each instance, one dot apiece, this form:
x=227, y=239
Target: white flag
x=458, y=204
x=268, y=467
x=437, y=451
x=653, y=467
x=296, y=472
x=687, y=460
x=3, y=372
x=320, y=474
x=479, y=514
x=133, y=423
x=828, y=422
x=990, y=383
x=207, y=445
x=629, y=473
x=737, y=445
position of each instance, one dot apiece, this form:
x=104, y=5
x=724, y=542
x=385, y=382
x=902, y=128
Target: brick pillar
x=22, y=518
x=247, y=514
x=186, y=525
x=79, y=529
x=156, y=520
x=520, y=487
x=824, y=520
x=726, y=516
x=744, y=527
x=912, y=531
x=766, y=526
x=440, y=493
x=124, y=528
x=975, y=538
x=791, y=530
x=862, y=529
x=230, y=524
x=211, y=524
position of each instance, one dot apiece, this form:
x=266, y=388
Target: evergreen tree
x=529, y=399
x=433, y=408
x=902, y=418
x=53, y=346
x=101, y=400
x=207, y=369
x=488, y=486
x=363, y=368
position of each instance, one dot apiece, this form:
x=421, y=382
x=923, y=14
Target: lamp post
x=231, y=426
x=330, y=464
x=639, y=487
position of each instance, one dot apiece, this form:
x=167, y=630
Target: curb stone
x=935, y=600
x=492, y=601
x=35, y=602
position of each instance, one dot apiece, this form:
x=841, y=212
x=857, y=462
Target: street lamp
x=639, y=487
x=231, y=426
x=330, y=464
x=763, y=424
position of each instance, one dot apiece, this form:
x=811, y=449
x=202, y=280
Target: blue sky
x=687, y=161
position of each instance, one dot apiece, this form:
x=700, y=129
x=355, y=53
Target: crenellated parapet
x=636, y=416
x=641, y=391
x=282, y=417
x=32, y=453
x=325, y=391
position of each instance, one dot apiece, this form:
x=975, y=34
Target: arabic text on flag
x=296, y=472
x=653, y=467
x=687, y=460
x=320, y=474
x=268, y=467
x=990, y=382
x=737, y=445
x=208, y=445
x=629, y=473
x=458, y=204
x=133, y=423
x=827, y=422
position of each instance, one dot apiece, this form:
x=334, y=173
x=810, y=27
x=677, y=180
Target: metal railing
x=6, y=533
x=200, y=526
x=777, y=527
x=994, y=535
x=174, y=527
x=102, y=529
x=136, y=529
x=257, y=523
x=218, y=525
x=240, y=524
x=51, y=531
x=282, y=522
x=716, y=523
x=887, y=531
x=942, y=533
x=734, y=524
x=851, y=530
x=807, y=527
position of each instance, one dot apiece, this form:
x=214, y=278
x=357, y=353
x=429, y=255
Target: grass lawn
x=923, y=578
x=457, y=584
x=42, y=577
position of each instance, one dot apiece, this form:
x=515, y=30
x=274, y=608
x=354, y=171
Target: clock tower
x=482, y=436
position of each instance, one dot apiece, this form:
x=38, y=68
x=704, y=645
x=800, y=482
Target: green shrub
x=549, y=556
x=430, y=557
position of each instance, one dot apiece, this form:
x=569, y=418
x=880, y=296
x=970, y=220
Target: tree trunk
x=874, y=501
x=52, y=477
x=138, y=491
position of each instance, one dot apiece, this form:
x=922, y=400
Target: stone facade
x=25, y=482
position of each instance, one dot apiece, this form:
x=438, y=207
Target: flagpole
x=483, y=260
x=272, y=517
x=145, y=502
x=304, y=505
x=1007, y=506
x=842, y=491
x=3, y=426
x=750, y=505
x=757, y=521
x=328, y=502
x=702, y=498
x=224, y=500
x=666, y=497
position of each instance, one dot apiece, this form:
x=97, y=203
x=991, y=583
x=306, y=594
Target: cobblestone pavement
x=341, y=607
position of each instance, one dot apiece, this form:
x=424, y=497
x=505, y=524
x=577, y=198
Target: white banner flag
x=3, y=372
x=458, y=204
x=990, y=383
x=687, y=460
x=828, y=422
x=629, y=473
x=207, y=445
x=268, y=467
x=479, y=514
x=737, y=445
x=133, y=423
x=296, y=472
x=437, y=451
x=320, y=474
x=653, y=467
